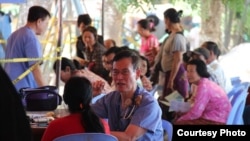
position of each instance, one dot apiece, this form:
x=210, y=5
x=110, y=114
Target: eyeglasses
x=123, y=72
x=108, y=62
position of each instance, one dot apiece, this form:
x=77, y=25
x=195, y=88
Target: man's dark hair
x=111, y=50
x=84, y=18
x=212, y=46
x=37, y=12
x=65, y=62
x=128, y=54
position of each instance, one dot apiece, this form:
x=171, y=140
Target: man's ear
x=38, y=22
x=67, y=69
x=211, y=53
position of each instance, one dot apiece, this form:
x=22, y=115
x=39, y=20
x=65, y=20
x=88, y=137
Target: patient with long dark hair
x=77, y=95
x=14, y=122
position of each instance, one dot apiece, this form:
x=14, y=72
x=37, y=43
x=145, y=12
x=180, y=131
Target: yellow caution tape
x=73, y=40
x=16, y=60
x=26, y=72
x=2, y=41
x=20, y=77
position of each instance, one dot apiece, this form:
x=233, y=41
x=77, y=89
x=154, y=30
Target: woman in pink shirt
x=209, y=102
x=149, y=42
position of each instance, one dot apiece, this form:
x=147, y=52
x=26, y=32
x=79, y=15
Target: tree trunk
x=211, y=21
x=228, y=26
x=112, y=22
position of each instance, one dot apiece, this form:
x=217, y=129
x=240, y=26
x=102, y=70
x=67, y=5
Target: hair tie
x=179, y=13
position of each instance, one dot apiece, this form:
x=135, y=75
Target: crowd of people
x=111, y=89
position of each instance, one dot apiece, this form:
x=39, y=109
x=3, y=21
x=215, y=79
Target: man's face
x=42, y=25
x=108, y=44
x=124, y=75
x=65, y=74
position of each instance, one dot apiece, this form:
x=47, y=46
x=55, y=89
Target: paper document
x=179, y=106
x=176, y=103
x=175, y=95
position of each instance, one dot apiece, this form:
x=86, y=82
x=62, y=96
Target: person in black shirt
x=14, y=123
x=84, y=21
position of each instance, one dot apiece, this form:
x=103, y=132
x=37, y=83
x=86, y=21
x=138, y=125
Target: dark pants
x=169, y=116
x=246, y=115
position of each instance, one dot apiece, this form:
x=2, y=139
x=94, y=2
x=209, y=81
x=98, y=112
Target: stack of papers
x=175, y=95
x=176, y=102
x=39, y=117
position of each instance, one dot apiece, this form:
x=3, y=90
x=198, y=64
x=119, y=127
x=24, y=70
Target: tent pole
x=59, y=42
x=103, y=18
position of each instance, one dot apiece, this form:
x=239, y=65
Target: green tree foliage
x=123, y=5
x=235, y=5
x=236, y=11
x=240, y=20
x=195, y=4
x=236, y=22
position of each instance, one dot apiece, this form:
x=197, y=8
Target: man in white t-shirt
x=213, y=63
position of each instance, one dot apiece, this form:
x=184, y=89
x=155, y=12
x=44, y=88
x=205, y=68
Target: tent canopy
x=13, y=1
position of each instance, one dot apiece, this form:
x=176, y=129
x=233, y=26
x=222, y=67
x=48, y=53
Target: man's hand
x=170, y=85
x=81, y=61
x=146, y=83
x=98, y=87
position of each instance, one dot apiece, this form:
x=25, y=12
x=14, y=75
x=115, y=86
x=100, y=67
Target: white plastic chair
x=87, y=137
